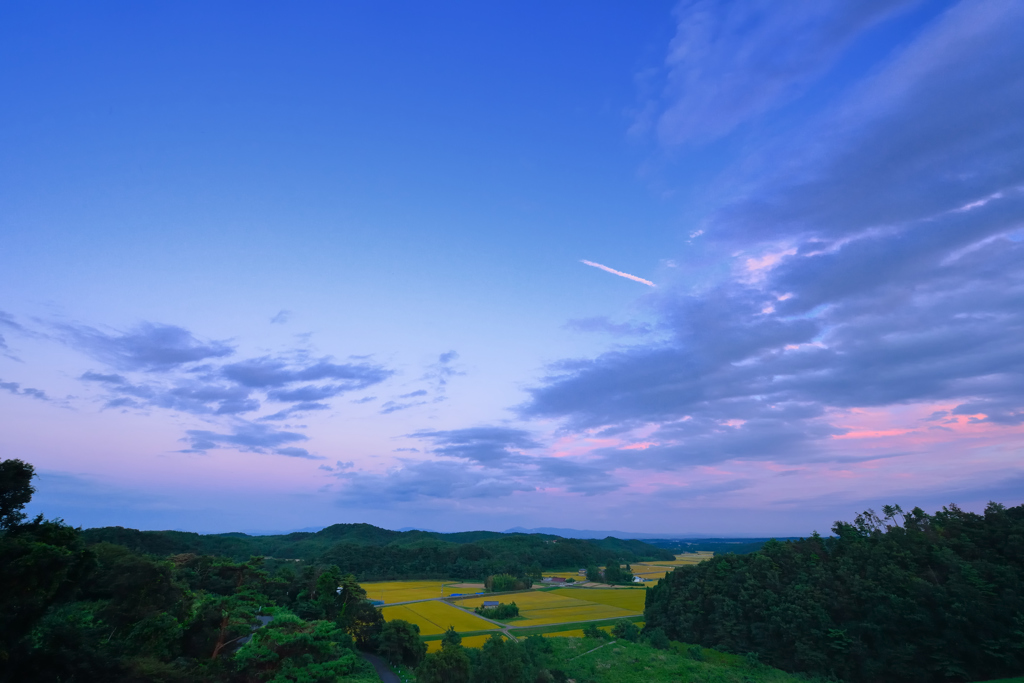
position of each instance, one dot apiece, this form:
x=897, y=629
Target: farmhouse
x=490, y=604
x=554, y=579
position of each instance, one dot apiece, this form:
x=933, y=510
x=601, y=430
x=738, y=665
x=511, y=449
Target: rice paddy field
x=391, y=592
x=684, y=559
x=628, y=599
x=467, y=641
x=434, y=617
x=651, y=573
x=560, y=606
x=566, y=575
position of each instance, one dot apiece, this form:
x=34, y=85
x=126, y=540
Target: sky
x=718, y=268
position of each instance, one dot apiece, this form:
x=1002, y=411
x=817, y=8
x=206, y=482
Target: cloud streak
x=606, y=269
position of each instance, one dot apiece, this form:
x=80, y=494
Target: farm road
x=383, y=670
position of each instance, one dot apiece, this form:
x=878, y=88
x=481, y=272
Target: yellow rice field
x=526, y=600
x=468, y=641
x=632, y=600
x=553, y=607
x=684, y=559
x=578, y=632
x=588, y=611
x=435, y=617
x=403, y=591
x=652, y=573
x=568, y=605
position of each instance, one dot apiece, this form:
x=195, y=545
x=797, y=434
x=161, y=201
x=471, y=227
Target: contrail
x=619, y=273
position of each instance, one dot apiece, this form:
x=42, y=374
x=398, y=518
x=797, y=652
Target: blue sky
x=268, y=267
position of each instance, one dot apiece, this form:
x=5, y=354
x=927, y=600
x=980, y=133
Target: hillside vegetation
x=372, y=553
x=912, y=597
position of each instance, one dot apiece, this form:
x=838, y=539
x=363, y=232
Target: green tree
x=400, y=643
x=613, y=573
x=15, y=491
x=626, y=630
x=656, y=638
x=939, y=597
x=364, y=623
x=451, y=638
x=503, y=582
x=501, y=661
x=289, y=649
x=592, y=631
x=42, y=562
x=594, y=574
x=449, y=665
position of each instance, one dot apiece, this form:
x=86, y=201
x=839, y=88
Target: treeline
x=904, y=597
x=71, y=611
x=718, y=546
x=374, y=554
x=123, y=606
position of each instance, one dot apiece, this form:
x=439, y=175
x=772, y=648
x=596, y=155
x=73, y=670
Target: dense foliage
x=102, y=612
x=912, y=597
x=503, y=612
x=613, y=573
x=718, y=546
x=498, y=583
x=120, y=605
x=633, y=659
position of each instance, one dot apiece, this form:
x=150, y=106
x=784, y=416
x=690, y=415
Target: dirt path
x=596, y=648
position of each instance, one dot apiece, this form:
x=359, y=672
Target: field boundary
x=569, y=626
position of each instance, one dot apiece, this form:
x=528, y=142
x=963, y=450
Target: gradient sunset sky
x=267, y=266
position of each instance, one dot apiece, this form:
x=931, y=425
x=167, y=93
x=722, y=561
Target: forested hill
x=374, y=553
x=904, y=598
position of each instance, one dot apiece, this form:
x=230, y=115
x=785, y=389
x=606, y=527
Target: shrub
x=626, y=630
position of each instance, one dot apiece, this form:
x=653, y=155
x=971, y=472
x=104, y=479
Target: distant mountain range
x=586, y=533
x=549, y=530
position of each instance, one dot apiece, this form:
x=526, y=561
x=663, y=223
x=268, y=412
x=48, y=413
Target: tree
x=400, y=643
x=450, y=665
x=503, y=612
x=657, y=639
x=626, y=630
x=501, y=661
x=42, y=562
x=290, y=649
x=15, y=491
x=936, y=598
x=592, y=631
x=451, y=638
x=498, y=583
x=613, y=573
x=364, y=623
x=594, y=574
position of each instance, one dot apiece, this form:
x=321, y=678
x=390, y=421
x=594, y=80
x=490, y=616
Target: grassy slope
x=622, y=662
x=555, y=628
